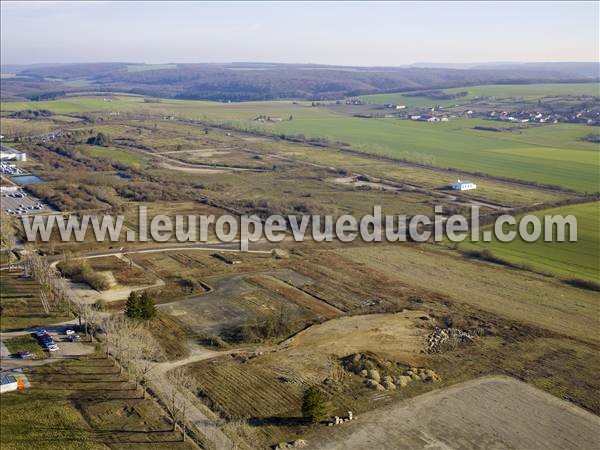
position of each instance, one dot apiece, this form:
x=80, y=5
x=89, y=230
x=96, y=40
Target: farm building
x=464, y=185
x=8, y=383
x=12, y=156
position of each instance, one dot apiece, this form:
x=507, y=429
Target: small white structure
x=8, y=383
x=13, y=156
x=464, y=185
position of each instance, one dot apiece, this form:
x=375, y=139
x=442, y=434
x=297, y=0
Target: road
x=221, y=247
x=206, y=425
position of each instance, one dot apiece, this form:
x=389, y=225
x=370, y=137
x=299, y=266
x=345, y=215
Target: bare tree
x=44, y=300
x=8, y=237
x=180, y=379
x=145, y=354
x=172, y=404
x=53, y=287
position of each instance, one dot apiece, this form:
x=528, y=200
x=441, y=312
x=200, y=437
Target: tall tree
x=314, y=406
x=147, y=308
x=133, y=307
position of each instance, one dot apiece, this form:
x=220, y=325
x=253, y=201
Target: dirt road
x=160, y=383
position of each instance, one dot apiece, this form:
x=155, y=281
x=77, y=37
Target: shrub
x=99, y=139
x=80, y=271
x=583, y=284
x=96, y=280
x=73, y=268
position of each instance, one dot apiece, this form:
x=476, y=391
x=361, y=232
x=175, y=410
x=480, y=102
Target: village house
x=463, y=185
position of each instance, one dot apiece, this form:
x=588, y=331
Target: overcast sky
x=348, y=33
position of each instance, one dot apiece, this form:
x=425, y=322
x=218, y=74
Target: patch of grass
x=21, y=305
x=171, y=335
x=125, y=157
x=239, y=391
x=83, y=403
x=43, y=419
x=25, y=343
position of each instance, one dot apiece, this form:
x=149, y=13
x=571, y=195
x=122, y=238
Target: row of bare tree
x=138, y=353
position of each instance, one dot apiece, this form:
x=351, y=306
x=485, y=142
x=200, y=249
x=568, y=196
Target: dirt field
x=246, y=388
x=295, y=295
x=393, y=336
x=513, y=294
x=232, y=302
x=494, y=412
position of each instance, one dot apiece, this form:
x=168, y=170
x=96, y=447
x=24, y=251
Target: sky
x=345, y=33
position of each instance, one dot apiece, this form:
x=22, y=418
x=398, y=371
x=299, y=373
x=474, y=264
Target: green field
x=568, y=260
x=122, y=156
x=551, y=154
x=495, y=91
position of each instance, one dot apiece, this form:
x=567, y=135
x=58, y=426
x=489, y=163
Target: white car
x=53, y=348
x=69, y=332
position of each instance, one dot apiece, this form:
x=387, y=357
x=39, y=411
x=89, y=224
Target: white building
x=8, y=383
x=8, y=154
x=464, y=185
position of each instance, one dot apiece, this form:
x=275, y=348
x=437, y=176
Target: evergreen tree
x=147, y=308
x=133, y=307
x=314, y=406
x=99, y=139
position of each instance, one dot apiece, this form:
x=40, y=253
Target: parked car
x=53, y=348
x=40, y=332
x=46, y=339
x=69, y=332
x=25, y=355
x=74, y=338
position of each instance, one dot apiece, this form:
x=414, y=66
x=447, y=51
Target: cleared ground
x=397, y=337
x=495, y=412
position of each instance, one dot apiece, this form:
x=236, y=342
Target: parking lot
x=20, y=203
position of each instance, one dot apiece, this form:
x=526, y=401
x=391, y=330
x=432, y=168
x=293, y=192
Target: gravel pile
x=444, y=339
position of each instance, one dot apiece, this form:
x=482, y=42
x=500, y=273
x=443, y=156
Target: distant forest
x=261, y=81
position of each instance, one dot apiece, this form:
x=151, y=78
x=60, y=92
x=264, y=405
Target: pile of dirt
x=379, y=376
x=364, y=363
x=445, y=339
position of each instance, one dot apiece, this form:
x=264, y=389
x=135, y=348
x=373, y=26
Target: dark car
x=46, y=339
x=25, y=355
